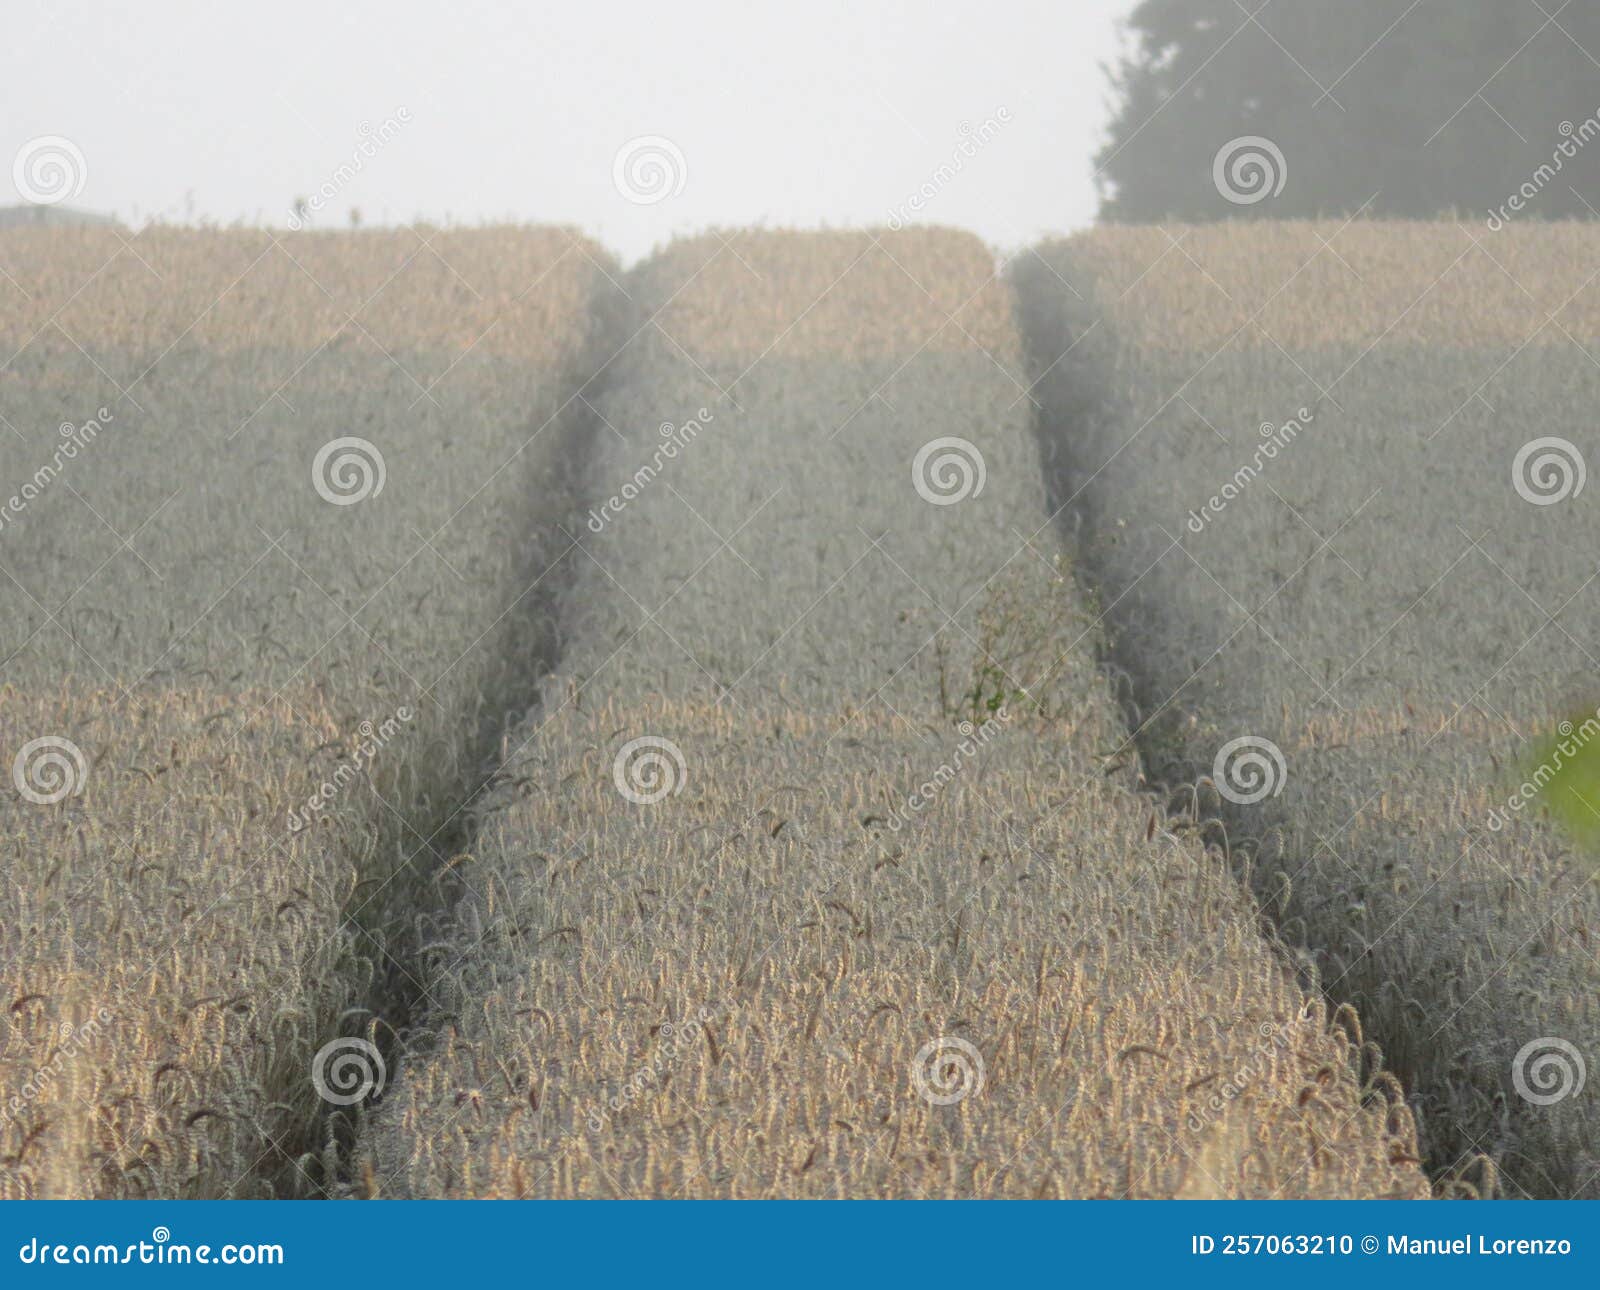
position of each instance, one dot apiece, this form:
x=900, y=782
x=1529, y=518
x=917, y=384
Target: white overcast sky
x=822, y=112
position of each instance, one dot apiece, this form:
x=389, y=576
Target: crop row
x=280, y=536
x=1330, y=479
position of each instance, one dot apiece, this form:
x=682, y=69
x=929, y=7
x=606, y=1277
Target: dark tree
x=1404, y=109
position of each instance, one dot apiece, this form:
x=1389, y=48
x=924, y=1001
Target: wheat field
x=1319, y=472
x=723, y=988
x=205, y=643
x=483, y=722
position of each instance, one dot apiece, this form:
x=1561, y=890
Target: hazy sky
x=820, y=112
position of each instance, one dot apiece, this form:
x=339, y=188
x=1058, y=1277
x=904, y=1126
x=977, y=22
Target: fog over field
x=837, y=113
x=857, y=602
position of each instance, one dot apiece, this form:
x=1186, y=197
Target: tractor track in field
x=793, y=627
x=1272, y=496
x=790, y=547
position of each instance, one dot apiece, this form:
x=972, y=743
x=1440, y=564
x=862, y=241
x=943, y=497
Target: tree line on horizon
x=1392, y=107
